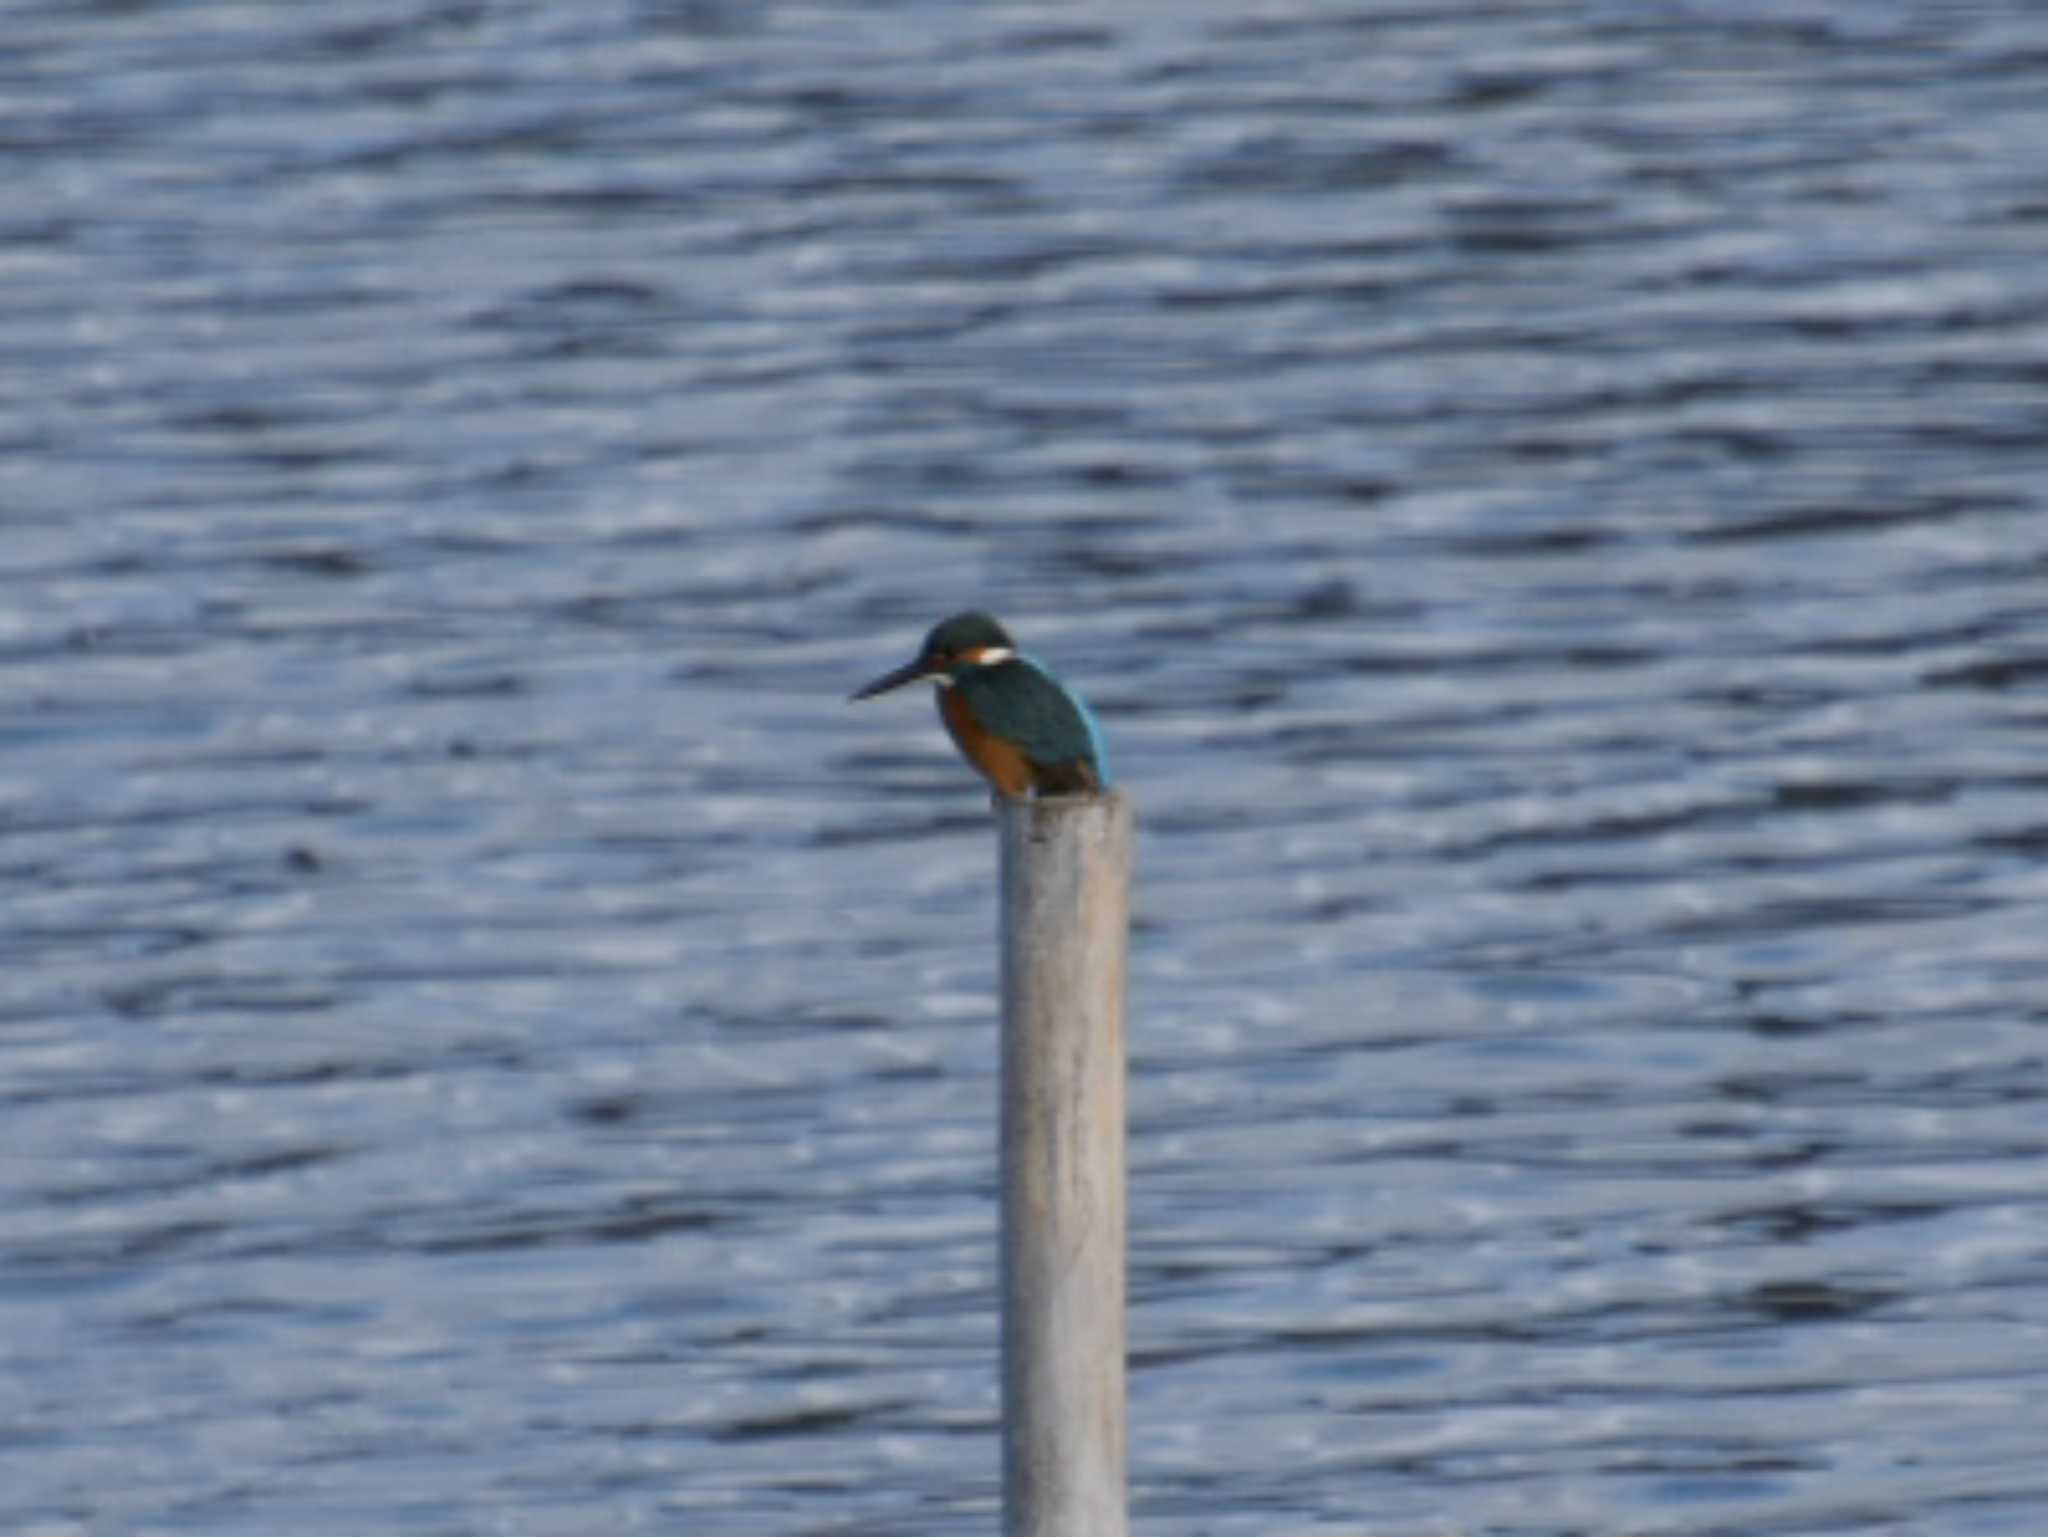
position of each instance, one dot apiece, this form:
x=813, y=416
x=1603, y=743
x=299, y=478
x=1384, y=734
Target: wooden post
x=1066, y=875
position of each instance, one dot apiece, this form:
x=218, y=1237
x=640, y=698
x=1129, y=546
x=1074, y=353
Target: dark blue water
x=1547, y=501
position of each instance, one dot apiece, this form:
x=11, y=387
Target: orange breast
x=999, y=763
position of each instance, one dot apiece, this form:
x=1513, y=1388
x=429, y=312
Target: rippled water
x=1547, y=503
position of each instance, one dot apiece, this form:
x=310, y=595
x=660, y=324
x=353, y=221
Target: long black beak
x=909, y=672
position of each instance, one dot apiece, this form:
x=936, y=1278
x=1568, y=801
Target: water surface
x=1545, y=500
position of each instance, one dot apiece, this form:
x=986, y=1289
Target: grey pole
x=1066, y=877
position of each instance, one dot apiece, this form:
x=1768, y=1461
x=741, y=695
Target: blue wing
x=1021, y=700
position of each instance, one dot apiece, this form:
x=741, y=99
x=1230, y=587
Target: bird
x=1021, y=728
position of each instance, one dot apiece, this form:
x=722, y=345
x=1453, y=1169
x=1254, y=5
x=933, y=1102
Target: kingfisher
x=1021, y=728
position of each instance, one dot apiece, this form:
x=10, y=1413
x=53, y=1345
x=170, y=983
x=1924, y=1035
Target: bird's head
x=954, y=646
